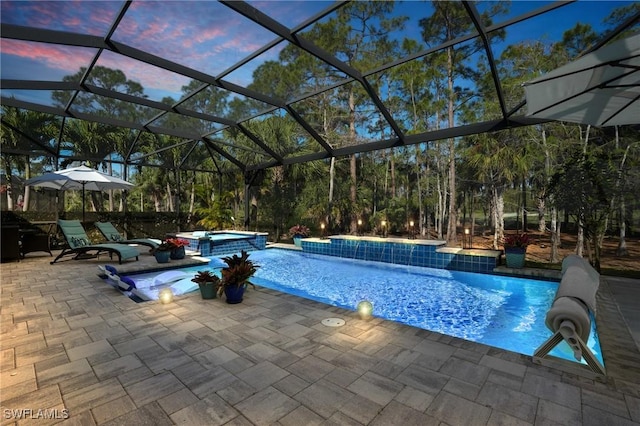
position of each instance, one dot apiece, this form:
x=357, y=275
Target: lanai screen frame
x=509, y=117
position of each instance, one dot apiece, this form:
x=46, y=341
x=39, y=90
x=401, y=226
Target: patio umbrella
x=80, y=178
x=602, y=88
x=53, y=180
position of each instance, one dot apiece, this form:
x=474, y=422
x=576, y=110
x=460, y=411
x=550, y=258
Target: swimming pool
x=503, y=312
x=499, y=311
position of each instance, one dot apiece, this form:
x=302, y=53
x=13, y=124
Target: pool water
x=499, y=311
x=503, y=312
x=227, y=236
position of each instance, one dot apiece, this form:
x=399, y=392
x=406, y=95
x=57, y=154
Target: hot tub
x=216, y=243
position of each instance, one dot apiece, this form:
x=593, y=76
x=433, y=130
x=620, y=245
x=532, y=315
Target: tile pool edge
x=410, y=252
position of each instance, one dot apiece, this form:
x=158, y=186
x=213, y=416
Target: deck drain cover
x=333, y=322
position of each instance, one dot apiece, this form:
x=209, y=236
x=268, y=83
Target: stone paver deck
x=72, y=346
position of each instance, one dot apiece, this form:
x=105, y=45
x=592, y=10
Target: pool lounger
x=81, y=247
x=110, y=274
x=113, y=236
x=179, y=287
x=179, y=282
x=169, y=277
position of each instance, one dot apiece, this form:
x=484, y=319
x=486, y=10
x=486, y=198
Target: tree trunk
x=9, y=189
x=440, y=213
x=581, y=208
x=452, y=234
x=473, y=216
x=353, y=194
x=27, y=189
x=254, y=210
x=541, y=207
x=498, y=216
x=419, y=186
x=427, y=213
x=392, y=167
x=555, y=235
x=622, y=242
x=353, y=187
x=525, y=224
x=621, y=250
x=110, y=192
x=192, y=198
x=169, y=198
x=580, y=239
x=332, y=176
x=156, y=202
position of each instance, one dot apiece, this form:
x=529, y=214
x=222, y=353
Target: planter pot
x=234, y=293
x=515, y=256
x=208, y=290
x=162, y=256
x=178, y=253
x=297, y=241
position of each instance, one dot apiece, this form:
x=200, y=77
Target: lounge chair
x=80, y=246
x=113, y=236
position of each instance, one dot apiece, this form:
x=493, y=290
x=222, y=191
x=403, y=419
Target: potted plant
x=162, y=252
x=298, y=232
x=177, y=247
x=515, y=248
x=235, y=276
x=208, y=283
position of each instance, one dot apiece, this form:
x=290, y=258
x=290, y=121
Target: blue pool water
x=225, y=237
x=498, y=311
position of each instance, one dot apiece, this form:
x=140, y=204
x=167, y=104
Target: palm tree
x=498, y=163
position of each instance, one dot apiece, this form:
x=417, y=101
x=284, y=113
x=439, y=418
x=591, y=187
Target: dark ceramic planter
x=208, y=290
x=178, y=253
x=515, y=256
x=234, y=293
x=162, y=256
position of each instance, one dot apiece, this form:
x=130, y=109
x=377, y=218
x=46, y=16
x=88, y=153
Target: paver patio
x=71, y=342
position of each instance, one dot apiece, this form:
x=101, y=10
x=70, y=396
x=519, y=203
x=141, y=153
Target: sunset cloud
x=88, y=17
x=65, y=59
x=206, y=36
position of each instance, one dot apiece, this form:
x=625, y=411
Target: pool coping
x=135, y=268
x=532, y=273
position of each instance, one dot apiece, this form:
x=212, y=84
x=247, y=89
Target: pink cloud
x=89, y=17
x=65, y=58
x=149, y=76
x=205, y=36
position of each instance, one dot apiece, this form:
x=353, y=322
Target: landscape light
x=165, y=296
x=467, y=241
x=365, y=309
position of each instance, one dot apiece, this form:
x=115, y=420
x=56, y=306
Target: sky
x=208, y=36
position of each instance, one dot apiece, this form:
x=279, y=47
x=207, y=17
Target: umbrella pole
x=83, y=203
